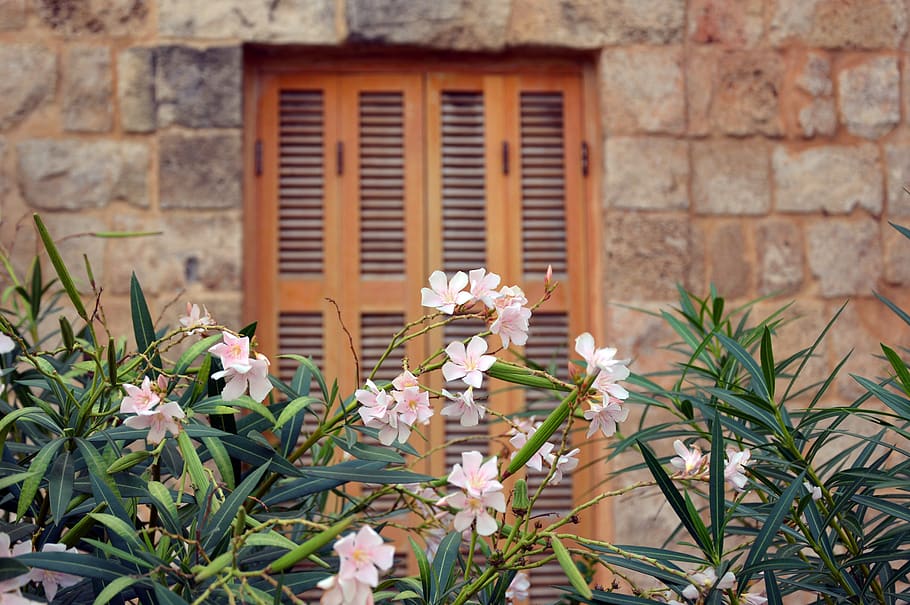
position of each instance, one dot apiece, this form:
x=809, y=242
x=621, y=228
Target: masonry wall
x=759, y=145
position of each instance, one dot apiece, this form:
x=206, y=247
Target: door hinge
x=257, y=157
x=585, y=158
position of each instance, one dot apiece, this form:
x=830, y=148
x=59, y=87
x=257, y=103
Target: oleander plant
x=172, y=466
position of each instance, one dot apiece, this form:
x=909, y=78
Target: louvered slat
x=376, y=330
x=463, y=186
x=543, y=222
x=299, y=334
x=300, y=190
x=382, y=217
x=547, y=348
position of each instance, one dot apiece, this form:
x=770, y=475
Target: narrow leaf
x=767, y=361
x=194, y=351
x=220, y=525
x=716, y=485
x=444, y=564
x=770, y=528
x=38, y=466
x=60, y=484
x=755, y=373
x=143, y=328
x=60, y=267
x=569, y=568
x=113, y=589
x=423, y=567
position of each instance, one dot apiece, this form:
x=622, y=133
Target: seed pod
x=568, y=566
x=66, y=332
x=520, y=502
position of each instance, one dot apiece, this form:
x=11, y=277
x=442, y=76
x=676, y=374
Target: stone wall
x=760, y=145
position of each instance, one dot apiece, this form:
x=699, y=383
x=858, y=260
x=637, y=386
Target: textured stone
x=12, y=14
x=869, y=95
x=136, y=89
x=187, y=237
x=456, y=24
x=845, y=256
x=735, y=24
x=200, y=171
x=73, y=175
x=87, y=89
x=28, y=75
x=643, y=21
x=647, y=173
x=300, y=21
x=108, y=17
x=730, y=269
x=198, y=88
x=832, y=179
x=818, y=118
x=780, y=257
x=897, y=156
x=72, y=235
x=815, y=75
x=4, y=176
x=896, y=257
x=731, y=177
x=804, y=320
x=647, y=255
x=575, y=25
x=643, y=90
x=838, y=23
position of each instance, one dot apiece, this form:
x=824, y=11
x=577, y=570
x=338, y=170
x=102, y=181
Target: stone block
x=897, y=157
x=869, y=97
x=640, y=335
x=730, y=270
x=647, y=255
x=72, y=235
x=815, y=75
x=896, y=256
x=94, y=17
x=76, y=174
x=647, y=173
x=293, y=21
x=838, y=23
x=12, y=14
x=28, y=76
x=735, y=92
x=200, y=171
x=87, y=89
x=199, y=88
x=734, y=24
x=731, y=176
x=136, y=89
x=832, y=179
x=457, y=25
x=4, y=175
x=845, y=256
x=187, y=238
x=576, y=25
x=643, y=90
x=818, y=118
x=643, y=21
x=780, y=257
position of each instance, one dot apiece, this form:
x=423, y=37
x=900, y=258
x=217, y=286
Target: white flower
x=689, y=462
x=463, y=407
x=735, y=468
x=814, y=490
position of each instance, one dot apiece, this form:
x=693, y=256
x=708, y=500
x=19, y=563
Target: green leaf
x=167, y=509
x=13, y=479
x=118, y=526
x=308, y=363
x=770, y=528
x=143, y=328
x=194, y=351
x=192, y=462
x=693, y=524
x=294, y=407
x=310, y=546
x=166, y=596
x=60, y=484
x=60, y=267
x=716, y=485
x=114, y=588
x=900, y=368
x=371, y=476
x=219, y=526
x=38, y=467
x=564, y=557
x=444, y=565
x=613, y=598
x=77, y=564
x=222, y=460
x=270, y=539
x=767, y=362
x=898, y=511
x=755, y=372
x=11, y=568
x=423, y=567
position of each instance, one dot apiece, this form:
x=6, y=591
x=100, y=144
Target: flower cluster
x=607, y=373
x=360, y=556
x=480, y=490
x=195, y=319
x=512, y=315
x=240, y=370
x=145, y=402
x=51, y=581
x=395, y=412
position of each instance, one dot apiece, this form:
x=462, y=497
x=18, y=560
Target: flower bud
x=520, y=502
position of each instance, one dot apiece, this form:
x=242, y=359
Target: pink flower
x=463, y=407
x=139, y=400
x=736, y=467
x=814, y=490
x=467, y=363
x=519, y=588
x=605, y=417
x=605, y=384
x=413, y=406
x=565, y=463
x=473, y=477
x=754, y=599
x=600, y=359
x=510, y=296
x=405, y=380
x=374, y=403
x=536, y=461
x=445, y=295
x=345, y=592
x=7, y=344
x=159, y=421
x=483, y=286
x=512, y=325
x=474, y=511
x=53, y=580
x=255, y=375
x=361, y=554
x=234, y=351
x=689, y=462
x=705, y=580
x=195, y=319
